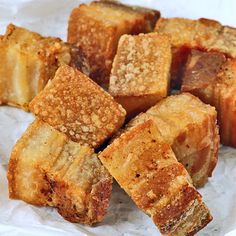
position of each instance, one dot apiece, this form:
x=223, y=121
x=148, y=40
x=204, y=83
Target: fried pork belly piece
x=78, y=107
x=145, y=166
x=46, y=168
x=212, y=77
x=140, y=71
x=97, y=27
x=189, y=127
x=28, y=62
x=203, y=33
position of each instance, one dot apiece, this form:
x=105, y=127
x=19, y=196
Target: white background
x=50, y=17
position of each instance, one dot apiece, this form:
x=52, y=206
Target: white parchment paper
x=49, y=17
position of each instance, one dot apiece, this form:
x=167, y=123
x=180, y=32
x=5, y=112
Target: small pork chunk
x=78, y=107
x=140, y=71
x=28, y=61
x=97, y=27
x=212, y=77
x=203, y=33
x=189, y=127
x=145, y=166
x=46, y=168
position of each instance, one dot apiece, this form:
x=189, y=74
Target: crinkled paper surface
x=49, y=17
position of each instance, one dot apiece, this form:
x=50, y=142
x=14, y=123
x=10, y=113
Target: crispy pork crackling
x=145, y=166
x=97, y=27
x=47, y=168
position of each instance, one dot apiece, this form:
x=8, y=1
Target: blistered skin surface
x=141, y=65
x=78, y=107
x=140, y=71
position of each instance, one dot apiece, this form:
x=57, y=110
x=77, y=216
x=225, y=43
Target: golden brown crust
x=78, y=107
x=189, y=126
x=97, y=27
x=33, y=61
x=139, y=60
x=144, y=165
x=46, y=168
x=150, y=15
x=215, y=84
x=186, y=34
x=203, y=34
x=140, y=71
